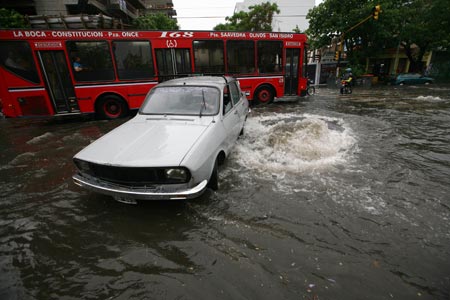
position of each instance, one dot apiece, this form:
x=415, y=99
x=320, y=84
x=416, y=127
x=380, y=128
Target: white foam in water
x=358, y=197
x=23, y=159
x=290, y=143
x=429, y=98
x=40, y=138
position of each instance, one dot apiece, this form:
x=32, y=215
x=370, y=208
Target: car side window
x=234, y=91
x=227, y=103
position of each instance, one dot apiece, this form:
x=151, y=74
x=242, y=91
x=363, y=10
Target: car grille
x=131, y=176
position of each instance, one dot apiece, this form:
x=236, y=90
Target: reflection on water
x=330, y=197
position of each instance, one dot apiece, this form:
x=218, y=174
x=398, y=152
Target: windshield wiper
x=203, y=103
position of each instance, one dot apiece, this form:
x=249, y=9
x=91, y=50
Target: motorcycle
x=346, y=87
x=310, y=89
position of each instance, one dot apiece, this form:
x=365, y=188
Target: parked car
x=172, y=148
x=411, y=78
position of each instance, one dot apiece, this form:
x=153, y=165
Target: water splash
x=309, y=154
x=291, y=143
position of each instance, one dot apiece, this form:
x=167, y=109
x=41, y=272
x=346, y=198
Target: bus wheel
x=111, y=107
x=264, y=95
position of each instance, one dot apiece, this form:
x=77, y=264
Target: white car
x=172, y=148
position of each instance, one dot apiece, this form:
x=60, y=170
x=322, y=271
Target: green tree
x=417, y=25
x=423, y=25
x=332, y=18
x=155, y=22
x=10, y=18
x=258, y=18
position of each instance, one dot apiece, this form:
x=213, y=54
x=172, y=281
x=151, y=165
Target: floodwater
x=326, y=197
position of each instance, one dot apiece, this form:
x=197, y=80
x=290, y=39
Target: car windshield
x=182, y=100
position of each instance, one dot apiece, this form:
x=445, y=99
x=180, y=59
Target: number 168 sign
x=176, y=34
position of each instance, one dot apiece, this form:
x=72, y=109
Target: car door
x=243, y=104
x=421, y=79
x=231, y=118
x=239, y=106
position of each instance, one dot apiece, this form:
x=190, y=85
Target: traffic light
x=376, y=11
x=337, y=55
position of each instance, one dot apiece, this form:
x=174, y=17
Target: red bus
x=61, y=72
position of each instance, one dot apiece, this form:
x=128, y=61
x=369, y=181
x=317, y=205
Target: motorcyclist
x=346, y=79
x=348, y=76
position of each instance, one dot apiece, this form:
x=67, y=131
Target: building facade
x=122, y=10
x=160, y=6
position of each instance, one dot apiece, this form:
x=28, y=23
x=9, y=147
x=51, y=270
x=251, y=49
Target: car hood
x=149, y=142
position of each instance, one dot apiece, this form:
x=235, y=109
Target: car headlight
x=82, y=165
x=177, y=174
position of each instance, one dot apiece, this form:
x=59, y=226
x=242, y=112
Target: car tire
x=213, y=182
x=401, y=83
x=111, y=107
x=241, y=133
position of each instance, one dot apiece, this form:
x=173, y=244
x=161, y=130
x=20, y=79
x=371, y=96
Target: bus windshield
x=16, y=57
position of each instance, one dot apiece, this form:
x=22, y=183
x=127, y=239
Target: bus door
x=58, y=82
x=291, y=71
x=173, y=63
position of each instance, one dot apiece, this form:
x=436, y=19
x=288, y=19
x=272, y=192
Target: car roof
x=218, y=81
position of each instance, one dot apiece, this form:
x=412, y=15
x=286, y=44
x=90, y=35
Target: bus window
x=133, y=59
x=17, y=58
x=241, y=56
x=208, y=57
x=270, y=56
x=91, y=61
x=183, y=61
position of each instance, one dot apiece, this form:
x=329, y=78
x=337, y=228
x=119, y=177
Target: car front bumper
x=129, y=195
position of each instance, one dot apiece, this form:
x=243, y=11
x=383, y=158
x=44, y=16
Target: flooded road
x=329, y=197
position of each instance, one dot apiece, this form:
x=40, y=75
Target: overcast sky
x=204, y=14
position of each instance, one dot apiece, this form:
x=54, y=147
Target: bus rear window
x=91, y=61
x=17, y=58
x=133, y=59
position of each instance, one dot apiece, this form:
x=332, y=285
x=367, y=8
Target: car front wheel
x=213, y=182
x=241, y=133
